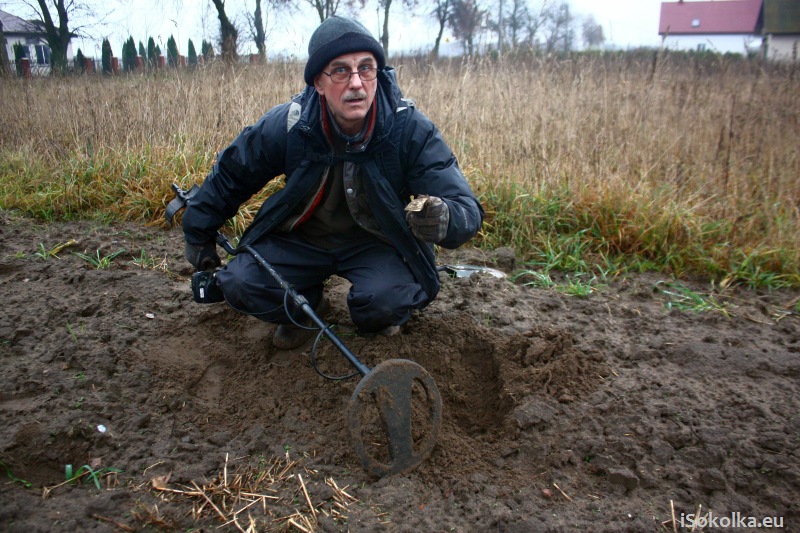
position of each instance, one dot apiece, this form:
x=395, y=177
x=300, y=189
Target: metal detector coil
x=391, y=385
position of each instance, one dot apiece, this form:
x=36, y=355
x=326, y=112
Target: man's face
x=348, y=102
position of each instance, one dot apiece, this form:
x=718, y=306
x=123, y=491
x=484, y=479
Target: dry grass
x=685, y=164
x=271, y=495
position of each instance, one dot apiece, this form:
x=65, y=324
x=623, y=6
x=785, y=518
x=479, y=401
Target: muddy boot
x=290, y=336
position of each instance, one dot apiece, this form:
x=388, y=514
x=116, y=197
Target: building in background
x=713, y=26
x=768, y=27
x=782, y=30
x=32, y=39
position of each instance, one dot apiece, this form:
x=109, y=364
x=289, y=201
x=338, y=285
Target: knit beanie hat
x=337, y=36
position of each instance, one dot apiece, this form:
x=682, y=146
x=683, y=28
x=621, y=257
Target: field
x=639, y=364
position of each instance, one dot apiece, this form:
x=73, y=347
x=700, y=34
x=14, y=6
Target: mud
x=608, y=413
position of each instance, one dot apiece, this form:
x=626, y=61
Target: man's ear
x=318, y=85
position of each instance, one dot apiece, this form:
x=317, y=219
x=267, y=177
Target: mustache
x=357, y=95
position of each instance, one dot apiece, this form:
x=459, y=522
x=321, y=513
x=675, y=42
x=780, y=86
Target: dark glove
x=203, y=256
x=428, y=217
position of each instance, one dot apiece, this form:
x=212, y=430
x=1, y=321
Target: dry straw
x=687, y=161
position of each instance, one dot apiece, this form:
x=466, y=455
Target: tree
x=192, y=54
x=19, y=54
x=57, y=36
x=54, y=19
x=172, y=52
x=325, y=8
x=228, y=34
x=129, y=55
x=441, y=13
x=259, y=35
x=80, y=62
x=107, y=55
x=385, y=5
x=207, y=49
x=560, y=28
x=151, y=53
x=515, y=23
x=533, y=23
x=519, y=20
x=142, y=51
x=592, y=32
x=466, y=20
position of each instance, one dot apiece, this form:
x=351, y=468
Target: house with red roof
x=773, y=26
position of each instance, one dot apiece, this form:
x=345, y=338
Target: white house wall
x=31, y=44
x=783, y=47
x=714, y=43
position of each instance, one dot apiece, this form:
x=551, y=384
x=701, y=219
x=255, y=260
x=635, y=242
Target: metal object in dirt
x=465, y=271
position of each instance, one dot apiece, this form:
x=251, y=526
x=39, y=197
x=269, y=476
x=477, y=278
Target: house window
x=42, y=54
x=695, y=23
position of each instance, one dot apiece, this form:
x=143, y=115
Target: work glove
x=203, y=256
x=428, y=217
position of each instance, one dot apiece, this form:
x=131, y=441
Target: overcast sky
x=626, y=23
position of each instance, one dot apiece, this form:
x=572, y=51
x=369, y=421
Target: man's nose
x=355, y=80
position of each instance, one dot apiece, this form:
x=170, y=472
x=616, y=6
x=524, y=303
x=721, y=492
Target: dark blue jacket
x=406, y=157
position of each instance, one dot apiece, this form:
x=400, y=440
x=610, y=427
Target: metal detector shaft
x=298, y=299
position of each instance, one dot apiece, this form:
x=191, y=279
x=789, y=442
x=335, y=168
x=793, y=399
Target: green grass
x=86, y=474
x=46, y=253
x=13, y=478
x=680, y=297
x=98, y=260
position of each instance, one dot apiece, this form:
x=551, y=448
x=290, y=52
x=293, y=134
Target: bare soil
x=607, y=413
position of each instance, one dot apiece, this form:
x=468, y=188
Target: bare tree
x=259, y=35
x=516, y=22
x=534, y=23
x=384, y=6
x=441, y=13
x=60, y=21
x=228, y=34
x=560, y=26
x=324, y=8
x=466, y=20
x=592, y=32
x=53, y=18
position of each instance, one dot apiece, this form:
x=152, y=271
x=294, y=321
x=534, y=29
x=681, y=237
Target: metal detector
x=395, y=412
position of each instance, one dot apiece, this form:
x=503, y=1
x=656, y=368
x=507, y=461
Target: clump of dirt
x=559, y=413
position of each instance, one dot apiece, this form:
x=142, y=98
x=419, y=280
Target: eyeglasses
x=342, y=74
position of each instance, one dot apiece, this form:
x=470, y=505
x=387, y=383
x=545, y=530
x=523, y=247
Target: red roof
x=703, y=18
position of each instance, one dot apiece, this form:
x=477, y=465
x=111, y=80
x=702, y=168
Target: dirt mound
x=559, y=413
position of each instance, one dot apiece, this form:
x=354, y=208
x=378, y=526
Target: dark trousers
x=383, y=291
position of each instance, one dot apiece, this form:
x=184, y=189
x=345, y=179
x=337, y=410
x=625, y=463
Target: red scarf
x=326, y=127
